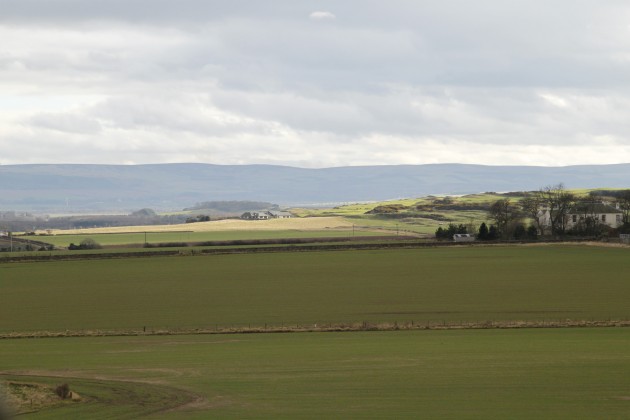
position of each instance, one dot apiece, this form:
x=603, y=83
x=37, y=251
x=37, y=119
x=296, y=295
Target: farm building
x=463, y=237
x=255, y=215
x=279, y=214
x=266, y=215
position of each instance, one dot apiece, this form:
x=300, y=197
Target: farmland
x=137, y=238
x=567, y=373
x=227, y=225
x=218, y=230
x=462, y=284
x=480, y=373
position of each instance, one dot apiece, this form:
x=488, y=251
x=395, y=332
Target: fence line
x=356, y=326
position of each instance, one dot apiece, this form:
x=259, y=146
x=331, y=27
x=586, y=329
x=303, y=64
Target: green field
x=477, y=373
x=487, y=374
x=108, y=239
x=453, y=285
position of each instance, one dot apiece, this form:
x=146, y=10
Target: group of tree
x=556, y=211
x=552, y=210
x=198, y=218
x=451, y=230
x=87, y=243
x=560, y=205
x=555, y=200
x=508, y=219
x=517, y=231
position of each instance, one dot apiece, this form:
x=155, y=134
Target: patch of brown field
x=40, y=396
x=297, y=223
x=26, y=397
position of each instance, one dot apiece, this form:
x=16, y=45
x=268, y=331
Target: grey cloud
x=378, y=82
x=142, y=10
x=65, y=122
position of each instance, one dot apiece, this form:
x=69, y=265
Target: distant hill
x=62, y=188
x=232, y=206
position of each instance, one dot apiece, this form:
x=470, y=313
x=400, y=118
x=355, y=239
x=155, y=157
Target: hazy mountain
x=58, y=188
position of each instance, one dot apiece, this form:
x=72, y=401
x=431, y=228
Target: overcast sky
x=315, y=83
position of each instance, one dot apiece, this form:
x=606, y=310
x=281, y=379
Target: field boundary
x=156, y=251
x=326, y=327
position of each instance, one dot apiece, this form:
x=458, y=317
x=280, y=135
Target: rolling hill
x=59, y=188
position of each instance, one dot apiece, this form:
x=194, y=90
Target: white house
x=584, y=213
x=254, y=215
x=266, y=215
x=279, y=214
x=598, y=212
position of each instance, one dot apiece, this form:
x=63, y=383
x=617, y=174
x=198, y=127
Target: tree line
x=508, y=218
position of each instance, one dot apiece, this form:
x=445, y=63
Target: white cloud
x=554, y=100
x=322, y=16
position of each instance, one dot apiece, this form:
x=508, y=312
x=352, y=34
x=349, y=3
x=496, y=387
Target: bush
x=493, y=233
x=532, y=232
x=486, y=233
x=519, y=232
x=63, y=391
x=483, y=232
x=87, y=243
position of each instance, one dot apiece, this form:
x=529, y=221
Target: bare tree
x=503, y=212
x=558, y=201
x=624, y=205
x=531, y=207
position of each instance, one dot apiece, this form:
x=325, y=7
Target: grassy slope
x=516, y=374
x=463, y=284
x=356, y=213
x=418, y=224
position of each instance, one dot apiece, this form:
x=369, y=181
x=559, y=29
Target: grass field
x=300, y=224
x=487, y=374
x=461, y=284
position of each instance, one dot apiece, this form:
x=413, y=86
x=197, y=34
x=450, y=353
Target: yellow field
x=309, y=223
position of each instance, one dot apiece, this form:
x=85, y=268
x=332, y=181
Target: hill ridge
x=170, y=186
